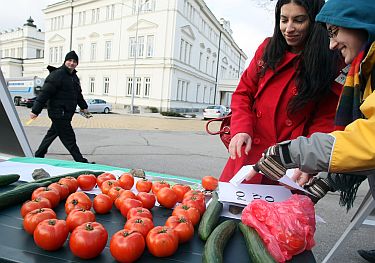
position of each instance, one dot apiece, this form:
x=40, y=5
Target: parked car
x=214, y=111
x=97, y=105
x=28, y=102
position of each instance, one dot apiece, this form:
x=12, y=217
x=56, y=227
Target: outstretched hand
x=236, y=144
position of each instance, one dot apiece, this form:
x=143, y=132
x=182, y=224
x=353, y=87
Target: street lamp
x=135, y=55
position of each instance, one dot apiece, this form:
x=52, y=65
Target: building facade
x=173, y=55
x=22, y=51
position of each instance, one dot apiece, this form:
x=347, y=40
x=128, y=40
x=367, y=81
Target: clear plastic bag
x=287, y=228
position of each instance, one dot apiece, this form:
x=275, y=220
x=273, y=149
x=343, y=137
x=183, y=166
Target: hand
x=33, y=116
x=270, y=164
x=300, y=177
x=236, y=143
x=85, y=111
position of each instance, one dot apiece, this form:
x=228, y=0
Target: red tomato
x=107, y=185
x=162, y=241
x=195, y=193
x=139, y=211
x=77, y=200
x=51, y=194
x=102, y=204
x=86, y=181
x=156, y=186
x=51, y=234
x=88, y=240
x=166, y=197
x=63, y=189
x=77, y=217
x=115, y=192
x=123, y=196
x=104, y=177
x=127, y=246
x=196, y=202
x=129, y=203
x=210, y=183
x=148, y=199
x=180, y=190
x=143, y=185
x=142, y=225
x=126, y=181
x=183, y=227
x=71, y=182
x=189, y=212
x=39, y=202
x=33, y=218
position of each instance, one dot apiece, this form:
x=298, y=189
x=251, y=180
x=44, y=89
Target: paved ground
x=182, y=147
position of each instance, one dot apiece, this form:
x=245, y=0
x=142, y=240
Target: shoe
x=92, y=162
x=369, y=255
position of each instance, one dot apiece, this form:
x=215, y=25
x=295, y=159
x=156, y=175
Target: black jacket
x=62, y=92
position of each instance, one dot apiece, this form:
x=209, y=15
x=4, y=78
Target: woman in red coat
x=288, y=90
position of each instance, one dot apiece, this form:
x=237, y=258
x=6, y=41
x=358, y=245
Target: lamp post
x=135, y=55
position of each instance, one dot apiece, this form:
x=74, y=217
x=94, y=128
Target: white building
x=22, y=51
x=182, y=57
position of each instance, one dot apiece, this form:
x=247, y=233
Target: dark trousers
x=63, y=129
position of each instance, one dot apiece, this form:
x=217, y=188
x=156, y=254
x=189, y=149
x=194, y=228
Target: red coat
x=259, y=108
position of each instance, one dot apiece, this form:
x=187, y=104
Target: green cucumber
x=210, y=217
x=255, y=246
x=23, y=192
x=6, y=179
x=214, y=247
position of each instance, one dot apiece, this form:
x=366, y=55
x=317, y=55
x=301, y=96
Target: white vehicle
x=97, y=105
x=214, y=111
x=24, y=88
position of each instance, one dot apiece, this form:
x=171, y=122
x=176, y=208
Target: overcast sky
x=251, y=20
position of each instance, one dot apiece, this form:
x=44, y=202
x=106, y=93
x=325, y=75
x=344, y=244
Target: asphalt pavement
x=181, y=147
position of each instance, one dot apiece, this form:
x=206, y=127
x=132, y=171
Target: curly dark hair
x=317, y=66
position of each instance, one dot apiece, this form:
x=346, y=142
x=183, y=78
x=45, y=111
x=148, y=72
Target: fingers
x=300, y=177
x=251, y=174
x=236, y=143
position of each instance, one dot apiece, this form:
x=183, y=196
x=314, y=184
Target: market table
x=18, y=246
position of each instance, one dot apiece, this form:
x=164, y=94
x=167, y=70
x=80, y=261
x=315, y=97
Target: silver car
x=214, y=111
x=97, y=105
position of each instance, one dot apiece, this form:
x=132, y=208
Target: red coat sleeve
x=243, y=97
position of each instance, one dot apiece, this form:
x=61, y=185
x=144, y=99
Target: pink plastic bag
x=287, y=228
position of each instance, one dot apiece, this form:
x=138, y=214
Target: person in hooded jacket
x=61, y=92
x=346, y=157
x=290, y=88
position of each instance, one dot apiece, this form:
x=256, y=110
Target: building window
x=141, y=46
x=92, y=85
x=56, y=54
x=106, y=85
x=95, y=14
x=80, y=51
x=204, y=94
x=197, y=94
x=200, y=60
x=138, y=84
x=108, y=48
x=132, y=47
x=110, y=12
x=93, y=52
x=82, y=18
x=38, y=53
x=147, y=87
x=150, y=46
x=211, y=98
x=61, y=59
x=50, y=54
x=130, y=87
x=185, y=51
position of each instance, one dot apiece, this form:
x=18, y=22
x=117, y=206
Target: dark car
x=28, y=102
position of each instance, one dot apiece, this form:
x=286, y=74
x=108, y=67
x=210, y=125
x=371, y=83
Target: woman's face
x=294, y=25
x=348, y=41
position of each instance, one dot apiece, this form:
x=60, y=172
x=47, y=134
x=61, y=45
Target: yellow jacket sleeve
x=354, y=148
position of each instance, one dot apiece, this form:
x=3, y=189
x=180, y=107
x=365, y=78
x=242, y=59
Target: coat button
x=295, y=91
x=259, y=114
x=288, y=122
x=256, y=141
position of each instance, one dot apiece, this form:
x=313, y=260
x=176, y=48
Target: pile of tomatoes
x=88, y=237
